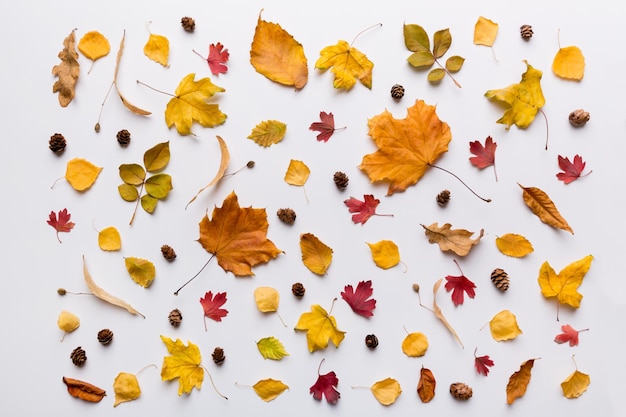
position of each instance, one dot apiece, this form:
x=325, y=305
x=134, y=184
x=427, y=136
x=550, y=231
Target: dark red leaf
x=218, y=56
x=485, y=156
x=358, y=300
x=571, y=171
x=363, y=209
x=326, y=127
x=326, y=385
x=459, y=285
x=62, y=223
x=211, y=306
x=569, y=335
x=482, y=364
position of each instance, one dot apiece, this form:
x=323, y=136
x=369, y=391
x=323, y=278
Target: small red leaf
x=569, y=335
x=218, y=56
x=62, y=223
x=363, y=209
x=211, y=306
x=485, y=155
x=358, y=300
x=571, y=170
x=326, y=127
x=482, y=364
x=326, y=385
x=459, y=285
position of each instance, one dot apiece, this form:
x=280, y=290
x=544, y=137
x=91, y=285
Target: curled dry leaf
x=224, y=161
x=67, y=71
x=455, y=240
x=439, y=313
x=543, y=207
x=518, y=382
x=426, y=385
x=127, y=104
x=84, y=390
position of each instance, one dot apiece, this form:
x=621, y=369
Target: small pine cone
x=175, y=317
x=371, y=341
x=57, y=143
x=78, y=356
x=123, y=137
x=578, y=118
x=188, y=24
x=168, y=252
x=443, y=198
x=500, y=279
x=461, y=391
x=341, y=180
x=526, y=31
x=105, y=336
x=218, y=356
x=298, y=289
x=286, y=215
x=397, y=91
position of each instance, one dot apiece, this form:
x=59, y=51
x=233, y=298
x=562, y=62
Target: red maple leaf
x=459, y=285
x=326, y=127
x=363, y=209
x=482, y=363
x=62, y=223
x=218, y=56
x=571, y=171
x=358, y=300
x=569, y=335
x=325, y=385
x=211, y=306
x=485, y=155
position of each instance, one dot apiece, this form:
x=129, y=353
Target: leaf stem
x=365, y=30
x=197, y=53
x=448, y=73
x=213, y=383
x=97, y=128
x=488, y=200
x=547, y=131
x=197, y=273
x=145, y=367
x=132, y=219
x=332, y=305
x=154, y=89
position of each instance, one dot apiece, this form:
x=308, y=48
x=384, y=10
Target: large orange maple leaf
x=406, y=147
x=237, y=237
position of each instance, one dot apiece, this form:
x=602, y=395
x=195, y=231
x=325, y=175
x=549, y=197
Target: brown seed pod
x=461, y=391
x=123, y=137
x=78, y=356
x=371, y=341
x=397, y=91
x=579, y=118
x=341, y=180
x=168, y=252
x=526, y=31
x=188, y=23
x=500, y=279
x=57, y=143
x=443, y=198
x=298, y=289
x=218, y=356
x=175, y=317
x=286, y=215
x=105, y=336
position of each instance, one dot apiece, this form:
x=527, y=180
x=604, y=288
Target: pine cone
x=578, y=118
x=57, y=143
x=298, y=289
x=286, y=215
x=78, y=356
x=105, y=336
x=123, y=137
x=175, y=317
x=500, y=279
x=397, y=91
x=218, y=356
x=461, y=391
x=168, y=252
x=371, y=341
x=188, y=23
x=526, y=31
x=341, y=180
x=443, y=198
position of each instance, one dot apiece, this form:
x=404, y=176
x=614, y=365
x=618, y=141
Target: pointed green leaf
x=148, y=203
x=128, y=192
x=416, y=38
x=271, y=348
x=159, y=185
x=441, y=42
x=422, y=59
x=157, y=157
x=436, y=75
x=454, y=63
x=132, y=174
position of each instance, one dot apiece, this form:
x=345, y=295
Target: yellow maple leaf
x=348, y=64
x=518, y=382
x=190, y=105
x=386, y=391
x=109, y=239
x=385, y=253
x=184, y=364
x=320, y=328
x=81, y=174
x=316, y=255
x=269, y=389
x=503, y=326
x=541, y=204
x=575, y=384
x=514, y=245
x=415, y=344
x=126, y=388
x=157, y=48
x=94, y=46
x=67, y=71
x=277, y=55
x=569, y=63
x=485, y=31
x=564, y=285
x=268, y=132
x=523, y=100
x=406, y=147
x=142, y=271
x=458, y=241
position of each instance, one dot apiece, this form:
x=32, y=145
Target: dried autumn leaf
x=320, y=328
x=385, y=253
x=503, y=326
x=406, y=147
x=275, y=54
x=482, y=363
x=426, y=385
x=157, y=48
x=439, y=314
x=142, y=271
x=514, y=245
x=268, y=132
x=266, y=299
x=67, y=71
x=363, y=209
x=359, y=300
x=543, y=207
x=224, y=161
x=62, y=223
x=269, y=389
x=455, y=240
x=297, y=173
x=386, y=391
x=127, y=104
x=569, y=335
x=81, y=174
x=569, y=63
x=271, y=348
x=84, y=390
x=415, y=345
x=518, y=382
x=211, y=305
x=218, y=56
x=326, y=126
x=485, y=31
x=109, y=239
x=316, y=255
x=348, y=65
x=184, y=364
x=564, y=285
x=484, y=155
x=575, y=384
x=326, y=386
x=237, y=237
x=94, y=46
x=126, y=388
x=459, y=285
x=571, y=170
x=68, y=322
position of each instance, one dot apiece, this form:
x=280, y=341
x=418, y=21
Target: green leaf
x=442, y=41
x=157, y=157
x=454, y=63
x=148, y=203
x=132, y=174
x=422, y=59
x=436, y=75
x=271, y=348
x=159, y=185
x=128, y=192
x=416, y=38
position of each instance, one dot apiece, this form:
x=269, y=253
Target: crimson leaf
x=62, y=223
x=358, y=300
x=211, y=306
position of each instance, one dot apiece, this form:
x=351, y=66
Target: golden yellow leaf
x=523, y=100
x=297, y=173
x=406, y=147
x=574, y=385
x=458, y=241
x=157, y=48
x=348, y=64
x=190, y=105
x=277, y=55
x=569, y=63
x=386, y=391
x=268, y=132
x=426, y=385
x=415, y=345
x=126, y=388
x=68, y=322
x=67, y=71
x=142, y=271
x=385, y=253
x=81, y=174
x=514, y=245
x=320, y=328
x=503, y=326
x=316, y=255
x=269, y=389
x=485, y=31
x=224, y=161
x=543, y=207
x=109, y=239
x=184, y=364
x=564, y=285
x=94, y=46
x=518, y=382
x=266, y=299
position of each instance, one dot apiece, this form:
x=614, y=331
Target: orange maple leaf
x=406, y=147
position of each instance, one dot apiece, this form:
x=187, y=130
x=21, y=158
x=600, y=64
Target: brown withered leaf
x=126, y=103
x=84, y=390
x=455, y=240
x=224, y=161
x=518, y=382
x=439, y=313
x=426, y=385
x=543, y=207
x=67, y=71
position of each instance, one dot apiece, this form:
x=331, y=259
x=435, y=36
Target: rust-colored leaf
x=84, y=390
x=543, y=207
x=426, y=385
x=518, y=382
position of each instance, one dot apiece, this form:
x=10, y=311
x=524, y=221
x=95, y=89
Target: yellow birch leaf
x=126, y=388
x=485, y=31
x=68, y=322
x=503, y=326
x=109, y=239
x=348, y=64
x=543, y=207
x=157, y=48
x=94, y=46
x=569, y=63
x=386, y=391
x=224, y=161
x=514, y=245
x=564, y=285
x=142, y=271
x=297, y=173
x=184, y=364
x=269, y=389
x=278, y=56
x=385, y=253
x=81, y=174
x=518, y=382
x=455, y=240
x=266, y=299
x=574, y=385
x=67, y=71
x=316, y=255
x=271, y=348
x=415, y=345
x=268, y=132
x=320, y=328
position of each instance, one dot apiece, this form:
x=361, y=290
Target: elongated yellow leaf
x=385, y=253
x=269, y=389
x=109, y=239
x=514, y=245
x=415, y=345
x=268, y=132
x=157, y=48
x=316, y=255
x=271, y=348
x=81, y=174
x=504, y=326
x=386, y=391
x=574, y=385
x=297, y=173
x=543, y=207
x=224, y=161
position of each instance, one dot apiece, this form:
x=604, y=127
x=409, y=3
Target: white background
x=35, y=264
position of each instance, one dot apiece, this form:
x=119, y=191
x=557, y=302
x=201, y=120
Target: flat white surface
x=35, y=264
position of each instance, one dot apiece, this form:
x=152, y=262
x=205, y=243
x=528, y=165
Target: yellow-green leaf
x=267, y=299
x=297, y=173
x=157, y=48
x=416, y=39
x=148, y=203
x=271, y=348
x=454, y=63
x=422, y=59
x=415, y=344
x=109, y=239
x=132, y=174
x=514, y=245
x=575, y=384
x=436, y=75
x=126, y=388
x=386, y=391
x=142, y=271
x=504, y=326
x=385, y=253
x=441, y=42
x=159, y=185
x=316, y=255
x=81, y=174
x=128, y=192
x=268, y=132
x=157, y=157
x=269, y=389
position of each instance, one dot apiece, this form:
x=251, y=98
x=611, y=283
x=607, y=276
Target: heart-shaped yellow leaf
x=267, y=299
x=68, y=322
x=575, y=384
x=504, y=326
x=415, y=344
x=94, y=46
x=569, y=63
x=297, y=173
x=485, y=31
x=81, y=174
x=385, y=254
x=386, y=391
x=109, y=239
x=126, y=388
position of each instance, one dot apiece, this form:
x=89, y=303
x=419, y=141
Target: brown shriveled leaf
x=518, y=382
x=84, y=390
x=455, y=240
x=543, y=207
x=221, y=170
x=126, y=103
x=426, y=385
x=67, y=71
x=439, y=313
